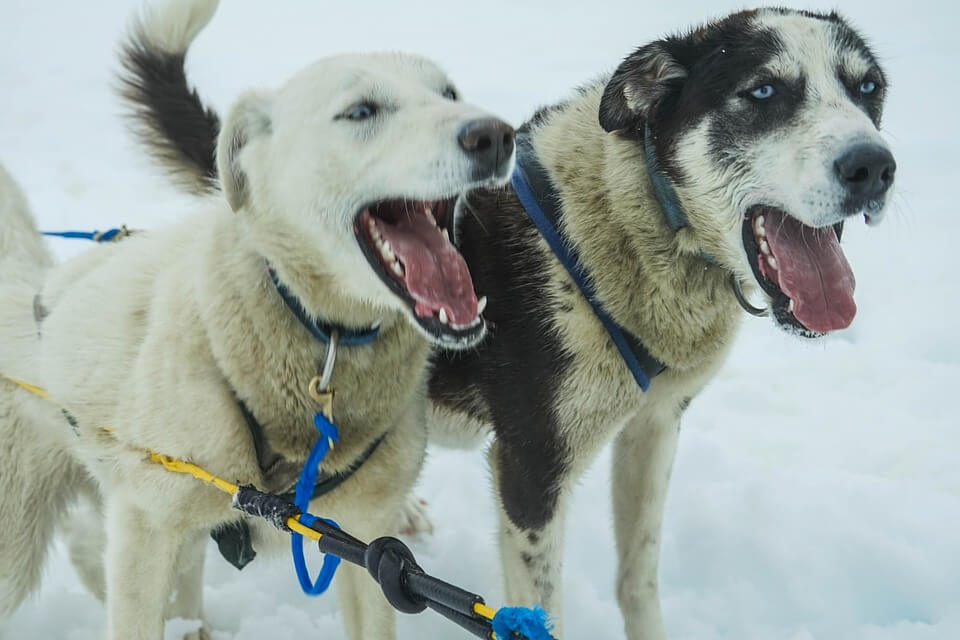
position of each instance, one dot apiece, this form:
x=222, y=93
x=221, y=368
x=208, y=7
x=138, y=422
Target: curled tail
x=171, y=120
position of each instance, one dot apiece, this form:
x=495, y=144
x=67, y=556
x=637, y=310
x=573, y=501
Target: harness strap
x=666, y=196
x=539, y=198
x=234, y=539
x=317, y=328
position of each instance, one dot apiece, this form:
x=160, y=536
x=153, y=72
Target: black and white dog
x=710, y=165
x=724, y=158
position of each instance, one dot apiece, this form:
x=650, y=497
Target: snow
x=816, y=493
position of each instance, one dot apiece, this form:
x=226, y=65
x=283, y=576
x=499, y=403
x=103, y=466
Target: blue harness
x=539, y=198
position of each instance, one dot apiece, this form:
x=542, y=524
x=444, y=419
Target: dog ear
x=639, y=86
x=248, y=119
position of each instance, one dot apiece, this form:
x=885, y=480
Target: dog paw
x=414, y=518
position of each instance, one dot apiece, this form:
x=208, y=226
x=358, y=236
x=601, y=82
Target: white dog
x=188, y=340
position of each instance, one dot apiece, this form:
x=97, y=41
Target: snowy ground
x=817, y=490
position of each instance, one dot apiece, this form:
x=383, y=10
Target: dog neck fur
x=261, y=329
x=652, y=280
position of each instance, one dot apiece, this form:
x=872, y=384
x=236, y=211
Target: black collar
x=318, y=328
x=539, y=197
x=663, y=191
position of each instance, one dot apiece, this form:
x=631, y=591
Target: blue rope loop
x=304, y=491
x=531, y=624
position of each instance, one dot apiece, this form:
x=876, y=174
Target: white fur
x=157, y=336
x=22, y=251
x=171, y=26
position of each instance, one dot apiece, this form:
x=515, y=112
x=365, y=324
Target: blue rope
x=576, y=271
x=532, y=624
x=304, y=490
x=95, y=236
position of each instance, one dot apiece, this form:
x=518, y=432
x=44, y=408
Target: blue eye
x=360, y=112
x=868, y=87
x=763, y=92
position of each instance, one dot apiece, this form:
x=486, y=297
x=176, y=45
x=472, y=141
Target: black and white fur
x=547, y=381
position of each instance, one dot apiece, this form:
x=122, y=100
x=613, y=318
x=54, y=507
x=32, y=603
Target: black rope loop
x=389, y=560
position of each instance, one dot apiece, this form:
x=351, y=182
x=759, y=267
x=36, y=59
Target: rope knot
x=388, y=560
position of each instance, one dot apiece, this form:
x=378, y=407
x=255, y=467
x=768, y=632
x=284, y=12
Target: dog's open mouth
x=408, y=245
x=802, y=269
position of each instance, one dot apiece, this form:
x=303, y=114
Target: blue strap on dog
x=641, y=364
x=304, y=491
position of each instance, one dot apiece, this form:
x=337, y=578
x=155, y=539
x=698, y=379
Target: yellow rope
x=32, y=388
x=176, y=465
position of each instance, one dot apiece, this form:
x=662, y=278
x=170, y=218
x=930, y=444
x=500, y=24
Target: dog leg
x=86, y=539
x=366, y=613
x=531, y=548
x=187, y=602
x=37, y=482
x=642, y=460
x=141, y=559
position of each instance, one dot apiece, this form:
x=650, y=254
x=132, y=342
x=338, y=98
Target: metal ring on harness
x=742, y=299
x=320, y=385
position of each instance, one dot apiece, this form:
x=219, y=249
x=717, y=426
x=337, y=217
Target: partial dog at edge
x=765, y=124
x=343, y=183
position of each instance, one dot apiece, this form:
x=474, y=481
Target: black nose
x=866, y=170
x=489, y=142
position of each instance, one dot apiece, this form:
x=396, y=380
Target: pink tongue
x=435, y=273
x=812, y=271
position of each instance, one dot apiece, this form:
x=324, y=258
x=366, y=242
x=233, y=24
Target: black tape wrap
x=388, y=560
x=271, y=508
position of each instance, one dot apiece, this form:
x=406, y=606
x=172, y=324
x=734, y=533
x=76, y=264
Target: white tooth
x=446, y=236
x=758, y=229
x=790, y=306
x=443, y=316
x=481, y=305
x=396, y=268
x=475, y=322
x=429, y=213
x=772, y=262
x=764, y=247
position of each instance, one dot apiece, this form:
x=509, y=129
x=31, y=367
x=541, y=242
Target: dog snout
x=489, y=142
x=866, y=170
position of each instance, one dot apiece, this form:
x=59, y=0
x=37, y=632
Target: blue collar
x=539, y=198
x=319, y=329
